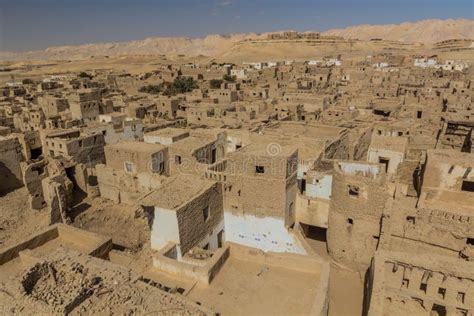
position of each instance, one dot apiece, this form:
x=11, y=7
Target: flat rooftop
x=177, y=191
x=396, y=144
x=451, y=156
x=268, y=149
x=458, y=202
x=192, y=143
x=318, y=131
x=137, y=147
x=114, y=114
x=168, y=132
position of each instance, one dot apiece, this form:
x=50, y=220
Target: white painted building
x=187, y=211
x=239, y=73
x=387, y=150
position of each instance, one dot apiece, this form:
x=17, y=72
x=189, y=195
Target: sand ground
x=248, y=288
x=346, y=288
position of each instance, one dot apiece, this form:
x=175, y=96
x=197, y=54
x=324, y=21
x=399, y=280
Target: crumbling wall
x=403, y=284
x=57, y=191
x=409, y=178
x=428, y=231
x=33, y=174
x=84, y=179
x=121, y=187
x=10, y=169
x=362, y=145
x=338, y=149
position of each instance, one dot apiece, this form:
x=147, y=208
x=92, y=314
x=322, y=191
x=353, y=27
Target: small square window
x=350, y=221
x=259, y=169
x=442, y=292
x=405, y=283
x=467, y=186
x=411, y=219
x=177, y=159
x=439, y=309
x=423, y=287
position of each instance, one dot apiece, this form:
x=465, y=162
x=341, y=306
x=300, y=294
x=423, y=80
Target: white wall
x=353, y=168
x=395, y=158
x=267, y=234
x=155, y=139
x=321, y=189
x=164, y=229
x=126, y=134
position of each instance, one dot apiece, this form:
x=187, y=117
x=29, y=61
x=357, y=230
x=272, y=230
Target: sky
x=38, y=24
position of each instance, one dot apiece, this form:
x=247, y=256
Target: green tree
x=181, y=85
x=229, y=78
x=151, y=89
x=215, y=83
x=85, y=75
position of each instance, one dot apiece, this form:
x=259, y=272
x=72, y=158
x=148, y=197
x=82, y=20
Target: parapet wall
x=201, y=273
x=89, y=243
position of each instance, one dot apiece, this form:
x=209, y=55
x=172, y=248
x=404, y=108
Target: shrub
x=215, y=83
x=229, y=78
x=181, y=85
x=151, y=89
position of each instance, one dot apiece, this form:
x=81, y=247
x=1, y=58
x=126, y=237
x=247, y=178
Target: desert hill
x=425, y=31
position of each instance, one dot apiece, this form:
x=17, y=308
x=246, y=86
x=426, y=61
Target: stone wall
x=192, y=226
x=403, y=284
x=356, y=209
x=10, y=169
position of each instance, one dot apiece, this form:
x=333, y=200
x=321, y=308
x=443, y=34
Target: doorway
x=220, y=239
x=213, y=155
x=384, y=161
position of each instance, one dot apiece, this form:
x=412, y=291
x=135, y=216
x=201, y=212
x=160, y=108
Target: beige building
x=132, y=169
x=356, y=208
x=85, y=105
x=387, y=150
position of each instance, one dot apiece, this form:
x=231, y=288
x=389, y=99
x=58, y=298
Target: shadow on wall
x=8, y=180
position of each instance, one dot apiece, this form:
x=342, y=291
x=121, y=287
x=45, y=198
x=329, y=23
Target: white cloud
x=224, y=3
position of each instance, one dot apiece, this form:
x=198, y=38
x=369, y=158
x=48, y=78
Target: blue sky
x=37, y=24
